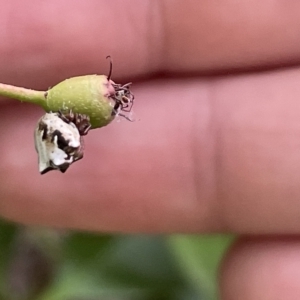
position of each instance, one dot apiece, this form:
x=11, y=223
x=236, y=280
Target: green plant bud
x=91, y=95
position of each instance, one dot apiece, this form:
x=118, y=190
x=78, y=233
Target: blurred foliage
x=46, y=264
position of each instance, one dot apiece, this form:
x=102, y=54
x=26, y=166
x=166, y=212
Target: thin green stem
x=24, y=95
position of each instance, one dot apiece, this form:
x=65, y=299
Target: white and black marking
x=57, y=142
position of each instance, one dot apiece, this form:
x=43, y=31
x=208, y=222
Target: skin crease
x=207, y=154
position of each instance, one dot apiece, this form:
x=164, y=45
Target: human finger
x=262, y=268
x=207, y=155
x=45, y=42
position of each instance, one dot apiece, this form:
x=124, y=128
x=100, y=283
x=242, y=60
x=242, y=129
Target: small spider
x=57, y=142
x=82, y=122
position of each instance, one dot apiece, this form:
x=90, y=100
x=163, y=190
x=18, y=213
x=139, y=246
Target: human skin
x=216, y=144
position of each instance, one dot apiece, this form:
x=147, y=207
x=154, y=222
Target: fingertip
x=262, y=268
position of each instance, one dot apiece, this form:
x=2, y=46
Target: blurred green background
x=47, y=264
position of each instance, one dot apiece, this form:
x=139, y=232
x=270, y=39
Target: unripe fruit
x=91, y=95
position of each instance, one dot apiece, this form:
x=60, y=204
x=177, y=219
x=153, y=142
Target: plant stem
x=24, y=95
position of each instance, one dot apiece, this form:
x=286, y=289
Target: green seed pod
x=91, y=95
